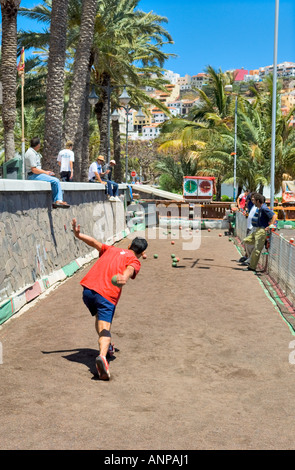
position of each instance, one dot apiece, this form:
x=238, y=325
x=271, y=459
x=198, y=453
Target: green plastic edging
x=6, y=311
x=71, y=268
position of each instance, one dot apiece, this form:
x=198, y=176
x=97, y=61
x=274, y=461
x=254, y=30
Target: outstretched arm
x=85, y=238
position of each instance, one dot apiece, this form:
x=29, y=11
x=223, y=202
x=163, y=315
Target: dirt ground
x=202, y=362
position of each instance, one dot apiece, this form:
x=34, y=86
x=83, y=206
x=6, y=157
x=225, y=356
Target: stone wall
x=36, y=241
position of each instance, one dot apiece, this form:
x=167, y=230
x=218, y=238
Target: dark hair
x=138, y=245
x=35, y=141
x=259, y=197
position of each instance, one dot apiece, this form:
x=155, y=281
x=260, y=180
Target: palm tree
x=80, y=69
x=9, y=9
x=127, y=50
x=55, y=83
x=119, y=32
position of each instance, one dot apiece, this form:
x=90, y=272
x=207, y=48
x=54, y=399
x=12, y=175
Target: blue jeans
x=55, y=185
x=112, y=188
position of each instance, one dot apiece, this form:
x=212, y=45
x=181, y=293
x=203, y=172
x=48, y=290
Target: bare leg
x=103, y=329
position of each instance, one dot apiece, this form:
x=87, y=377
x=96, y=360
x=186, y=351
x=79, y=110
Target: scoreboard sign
x=198, y=187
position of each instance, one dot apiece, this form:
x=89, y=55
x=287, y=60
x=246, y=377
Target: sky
x=229, y=35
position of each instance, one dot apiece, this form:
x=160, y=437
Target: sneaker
x=112, y=199
x=61, y=204
x=102, y=367
x=245, y=263
x=117, y=199
x=242, y=259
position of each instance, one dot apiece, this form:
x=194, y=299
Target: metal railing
x=278, y=260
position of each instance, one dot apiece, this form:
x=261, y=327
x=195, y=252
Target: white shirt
x=65, y=157
x=94, y=168
x=250, y=216
x=32, y=159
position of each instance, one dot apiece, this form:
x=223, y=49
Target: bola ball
x=114, y=281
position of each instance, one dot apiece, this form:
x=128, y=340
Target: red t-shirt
x=112, y=260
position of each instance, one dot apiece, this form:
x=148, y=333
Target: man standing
x=65, y=160
x=101, y=293
x=34, y=172
x=113, y=188
x=265, y=218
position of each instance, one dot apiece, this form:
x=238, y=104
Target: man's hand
x=121, y=280
x=76, y=229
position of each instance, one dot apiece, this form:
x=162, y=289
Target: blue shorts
x=98, y=305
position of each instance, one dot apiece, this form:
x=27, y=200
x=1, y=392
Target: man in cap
x=112, y=187
x=95, y=170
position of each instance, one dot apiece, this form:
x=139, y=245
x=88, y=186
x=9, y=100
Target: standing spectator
x=113, y=188
x=65, y=160
x=252, y=220
x=265, y=218
x=241, y=200
x=34, y=172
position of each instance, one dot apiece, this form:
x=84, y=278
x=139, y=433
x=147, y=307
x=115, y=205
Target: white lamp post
x=124, y=101
x=274, y=107
x=228, y=89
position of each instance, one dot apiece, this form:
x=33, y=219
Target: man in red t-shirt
x=100, y=295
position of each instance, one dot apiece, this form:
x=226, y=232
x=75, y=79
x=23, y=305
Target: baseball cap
x=113, y=161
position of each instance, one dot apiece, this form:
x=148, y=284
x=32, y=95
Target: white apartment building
x=186, y=87
x=175, y=105
x=174, y=111
x=123, y=120
x=158, y=117
x=199, y=80
x=171, y=76
x=186, y=80
x=150, y=132
x=285, y=69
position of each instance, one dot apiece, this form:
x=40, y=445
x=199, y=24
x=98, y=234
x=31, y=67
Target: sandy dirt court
x=201, y=362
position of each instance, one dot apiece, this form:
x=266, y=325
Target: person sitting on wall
x=34, y=171
x=113, y=188
x=95, y=171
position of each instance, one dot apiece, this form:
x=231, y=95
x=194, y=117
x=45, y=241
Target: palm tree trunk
x=117, y=151
x=81, y=147
x=218, y=189
x=86, y=117
x=9, y=9
x=101, y=111
x=55, y=84
x=81, y=64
